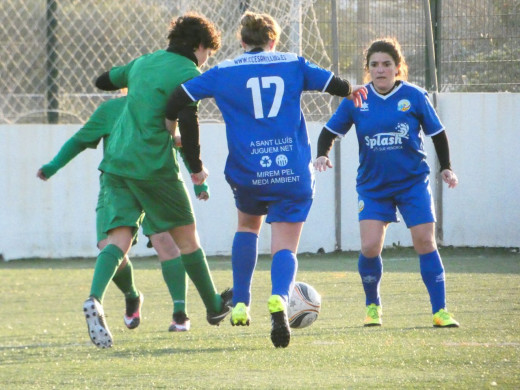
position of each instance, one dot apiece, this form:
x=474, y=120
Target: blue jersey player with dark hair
x=393, y=172
x=269, y=166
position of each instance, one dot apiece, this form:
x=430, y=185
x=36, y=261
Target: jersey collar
x=183, y=51
x=385, y=96
x=255, y=50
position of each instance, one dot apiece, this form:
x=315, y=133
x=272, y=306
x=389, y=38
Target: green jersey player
x=141, y=173
x=98, y=128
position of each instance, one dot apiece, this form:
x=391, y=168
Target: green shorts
x=165, y=202
x=101, y=216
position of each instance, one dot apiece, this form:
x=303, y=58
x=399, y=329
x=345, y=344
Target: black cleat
x=227, y=302
x=180, y=323
x=133, y=311
x=280, y=330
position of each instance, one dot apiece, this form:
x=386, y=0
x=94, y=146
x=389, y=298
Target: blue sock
x=283, y=273
x=432, y=272
x=371, y=272
x=244, y=255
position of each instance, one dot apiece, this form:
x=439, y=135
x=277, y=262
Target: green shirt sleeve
x=68, y=151
x=119, y=74
x=198, y=188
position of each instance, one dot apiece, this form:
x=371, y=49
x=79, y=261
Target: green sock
x=124, y=280
x=106, y=265
x=197, y=269
x=176, y=279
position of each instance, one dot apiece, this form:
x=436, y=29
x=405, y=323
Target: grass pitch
x=44, y=342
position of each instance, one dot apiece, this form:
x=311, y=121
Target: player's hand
x=171, y=126
x=177, y=141
x=359, y=92
x=200, y=177
x=203, y=195
x=322, y=163
x=449, y=177
x=41, y=175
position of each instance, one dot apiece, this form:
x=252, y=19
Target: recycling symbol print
x=265, y=161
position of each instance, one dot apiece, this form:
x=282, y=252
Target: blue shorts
x=415, y=205
x=277, y=210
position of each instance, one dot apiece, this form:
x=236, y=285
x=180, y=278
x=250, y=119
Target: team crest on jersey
x=361, y=206
x=364, y=107
x=403, y=105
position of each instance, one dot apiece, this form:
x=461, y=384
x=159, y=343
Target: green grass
x=44, y=343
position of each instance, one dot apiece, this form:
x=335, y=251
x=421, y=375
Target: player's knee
x=424, y=245
x=165, y=246
x=371, y=249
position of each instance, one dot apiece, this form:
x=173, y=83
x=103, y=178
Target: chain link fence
x=52, y=50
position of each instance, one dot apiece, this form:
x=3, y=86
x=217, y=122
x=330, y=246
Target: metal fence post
x=51, y=66
x=434, y=85
x=337, y=145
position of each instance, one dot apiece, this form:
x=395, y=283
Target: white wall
x=57, y=218
x=484, y=134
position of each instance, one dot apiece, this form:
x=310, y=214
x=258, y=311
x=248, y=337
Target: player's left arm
x=440, y=141
x=431, y=125
x=340, y=87
x=319, y=79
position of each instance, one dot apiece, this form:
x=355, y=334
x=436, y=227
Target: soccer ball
x=304, y=305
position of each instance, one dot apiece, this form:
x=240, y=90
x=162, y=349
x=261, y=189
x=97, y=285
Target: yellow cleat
x=443, y=319
x=374, y=314
x=240, y=315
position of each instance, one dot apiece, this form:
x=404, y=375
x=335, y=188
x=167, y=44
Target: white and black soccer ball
x=304, y=305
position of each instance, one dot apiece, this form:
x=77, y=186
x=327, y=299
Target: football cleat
x=280, y=330
x=132, y=315
x=180, y=323
x=240, y=315
x=374, y=314
x=216, y=318
x=443, y=319
x=97, y=327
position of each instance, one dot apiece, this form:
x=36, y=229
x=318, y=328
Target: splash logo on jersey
x=403, y=105
x=388, y=141
x=361, y=206
x=402, y=129
x=364, y=107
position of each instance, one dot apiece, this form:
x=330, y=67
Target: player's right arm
x=68, y=151
x=338, y=125
x=178, y=108
x=96, y=128
x=104, y=83
x=201, y=190
x=116, y=78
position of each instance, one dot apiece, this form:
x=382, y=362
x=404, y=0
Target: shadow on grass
x=396, y=259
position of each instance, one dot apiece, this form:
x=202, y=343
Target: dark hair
x=391, y=47
x=258, y=29
x=192, y=30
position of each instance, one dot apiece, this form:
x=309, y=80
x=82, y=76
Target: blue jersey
x=259, y=96
x=391, y=150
